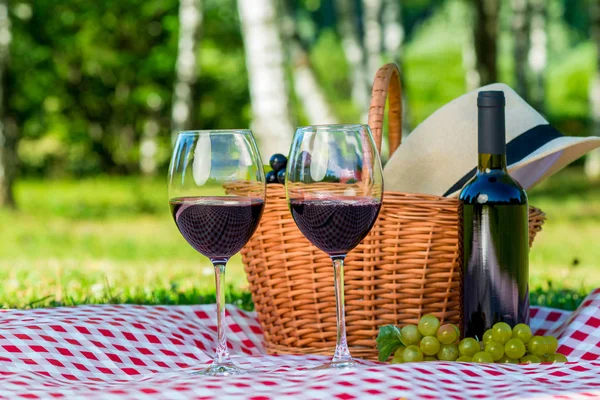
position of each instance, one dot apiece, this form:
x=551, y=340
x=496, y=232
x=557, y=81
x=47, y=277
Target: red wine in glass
x=217, y=227
x=335, y=225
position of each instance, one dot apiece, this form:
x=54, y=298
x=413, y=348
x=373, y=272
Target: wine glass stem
x=222, y=353
x=342, y=353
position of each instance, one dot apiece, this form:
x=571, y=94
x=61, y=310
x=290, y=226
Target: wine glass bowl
x=334, y=189
x=216, y=227
x=204, y=166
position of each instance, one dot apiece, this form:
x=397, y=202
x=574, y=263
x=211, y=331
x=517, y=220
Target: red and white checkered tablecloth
x=144, y=352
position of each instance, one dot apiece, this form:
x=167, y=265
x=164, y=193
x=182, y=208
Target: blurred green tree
x=486, y=39
x=92, y=87
x=520, y=29
x=8, y=129
x=87, y=81
x=592, y=164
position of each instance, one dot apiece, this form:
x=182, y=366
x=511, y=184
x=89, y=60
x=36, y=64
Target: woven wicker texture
x=409, y=264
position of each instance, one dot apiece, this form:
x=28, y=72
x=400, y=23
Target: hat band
x=517, y=149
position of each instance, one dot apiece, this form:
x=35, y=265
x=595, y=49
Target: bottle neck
x=491, y=138
x=491, y=162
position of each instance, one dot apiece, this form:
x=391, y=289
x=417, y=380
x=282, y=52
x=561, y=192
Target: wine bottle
x=494, y=230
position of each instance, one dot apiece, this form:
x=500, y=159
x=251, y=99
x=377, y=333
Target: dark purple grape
x=281, y=176
x=278, y=162
x=305, y=158
x=271, y=177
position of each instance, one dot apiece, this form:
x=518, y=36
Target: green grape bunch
x=430, y=340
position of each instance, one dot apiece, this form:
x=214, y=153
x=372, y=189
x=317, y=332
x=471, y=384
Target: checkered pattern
x=142, y=352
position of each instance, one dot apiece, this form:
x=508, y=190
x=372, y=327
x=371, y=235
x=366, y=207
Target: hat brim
x=440, y=156
x=549, y=159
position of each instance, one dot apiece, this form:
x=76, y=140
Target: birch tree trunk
x=306, y=85
x=372, y=36
x=149, y=147
x=355, y=54
x=272, y=124
x=393, y=38
x=469, y=58
x=149, y=143
x=307, y=88
x=8, y=130
x=538, y=57
x=592, y=161
x=485, y=39
x=393, y=31
x=520, y=28
x=190, y=26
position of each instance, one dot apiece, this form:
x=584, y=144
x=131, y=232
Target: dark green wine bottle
x=494, y=231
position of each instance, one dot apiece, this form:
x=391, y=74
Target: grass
x=566, y=252
x=99, y=240
x=112, y=240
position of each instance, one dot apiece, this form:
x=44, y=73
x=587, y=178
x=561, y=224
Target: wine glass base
x=226, y=369
x=345, y=364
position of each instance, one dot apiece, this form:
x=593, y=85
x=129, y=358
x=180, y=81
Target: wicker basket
x=408, y=265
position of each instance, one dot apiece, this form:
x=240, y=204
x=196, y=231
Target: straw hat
x=440, y=155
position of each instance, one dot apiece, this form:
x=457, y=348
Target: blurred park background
x=91, y=93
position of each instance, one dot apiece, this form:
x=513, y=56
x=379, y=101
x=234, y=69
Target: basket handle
x=386, y=86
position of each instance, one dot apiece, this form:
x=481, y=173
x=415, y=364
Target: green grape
x=428, y=325
x=448, y=352
x=446, y=334
x=507, y=360
x=398, y=355
x=412, y=354
x=554, y=358
x=501, y=332
x=496, y=349
x=537, y=346
x=457, y=333
x=515, y=348
x=429, y=345
x=483, y=357
x=552, y=344
x=399, y=351
x=559, y=358
x=397, y=360
x=523, y=332
x=464, y=359
x=530, y=359
x=545, y=359
x=468, y=347
x=429, y=358
x=410, y=335
x=487, y=336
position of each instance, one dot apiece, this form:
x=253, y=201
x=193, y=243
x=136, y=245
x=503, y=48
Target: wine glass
x=334, y=188
x=205, y=167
